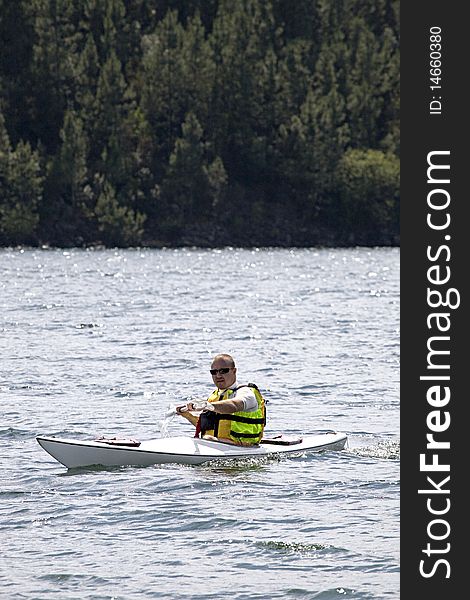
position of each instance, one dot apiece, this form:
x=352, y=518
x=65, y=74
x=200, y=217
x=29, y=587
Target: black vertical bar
x=435, y=265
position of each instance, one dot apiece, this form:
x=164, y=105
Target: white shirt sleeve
x=250, y=403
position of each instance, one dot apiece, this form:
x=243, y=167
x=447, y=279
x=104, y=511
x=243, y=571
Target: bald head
x=226, y=358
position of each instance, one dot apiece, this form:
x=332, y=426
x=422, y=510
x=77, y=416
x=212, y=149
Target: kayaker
x=233, y=413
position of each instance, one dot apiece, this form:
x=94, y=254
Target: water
x=104, y=342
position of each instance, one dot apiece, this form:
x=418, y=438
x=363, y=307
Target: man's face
x=223, y=380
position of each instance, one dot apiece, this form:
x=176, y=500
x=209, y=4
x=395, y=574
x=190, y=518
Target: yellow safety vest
x=240, y=427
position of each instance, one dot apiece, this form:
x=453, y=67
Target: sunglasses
x=223, y=371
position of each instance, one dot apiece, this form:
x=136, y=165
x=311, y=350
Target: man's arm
x=244, y=401
x=226, y=407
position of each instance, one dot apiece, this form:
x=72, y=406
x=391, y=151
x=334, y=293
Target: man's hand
x=194, y=406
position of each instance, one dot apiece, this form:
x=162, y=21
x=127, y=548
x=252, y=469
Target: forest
x=199, y=123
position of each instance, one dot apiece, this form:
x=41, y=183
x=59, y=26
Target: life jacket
x=240, y=427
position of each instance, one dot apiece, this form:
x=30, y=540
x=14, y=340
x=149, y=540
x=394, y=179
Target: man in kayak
x=233, y=413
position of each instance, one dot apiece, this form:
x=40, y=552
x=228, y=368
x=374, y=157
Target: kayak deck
x=74, y=453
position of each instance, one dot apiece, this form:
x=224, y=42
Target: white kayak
x=111, y=452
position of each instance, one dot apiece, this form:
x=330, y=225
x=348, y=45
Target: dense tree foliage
x=205, y=122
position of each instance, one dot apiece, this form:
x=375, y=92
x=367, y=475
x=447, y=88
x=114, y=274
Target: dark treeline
x=205, y=122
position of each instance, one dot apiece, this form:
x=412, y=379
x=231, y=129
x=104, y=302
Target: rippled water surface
x=103, y=342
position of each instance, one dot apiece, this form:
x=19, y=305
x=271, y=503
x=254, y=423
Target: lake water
x=103, y=342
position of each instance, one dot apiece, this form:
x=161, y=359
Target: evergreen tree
x=315, y=139
x=5, y=149
x=65, y=209
x=86, y=83
x=5, y=159
x=163, y=88
x=20, y=190
x=295, y=77
x=388, y=122
x=364, y=96
x=198, y=71
x=217, y=181
x=244, y=41
x=118, y=225
x=192, y=185
x=113, y=23
x=114, y=138
x=106, y=20
x=140, y=20
x=73, y=157
x=72, y=175
x=55, y=52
